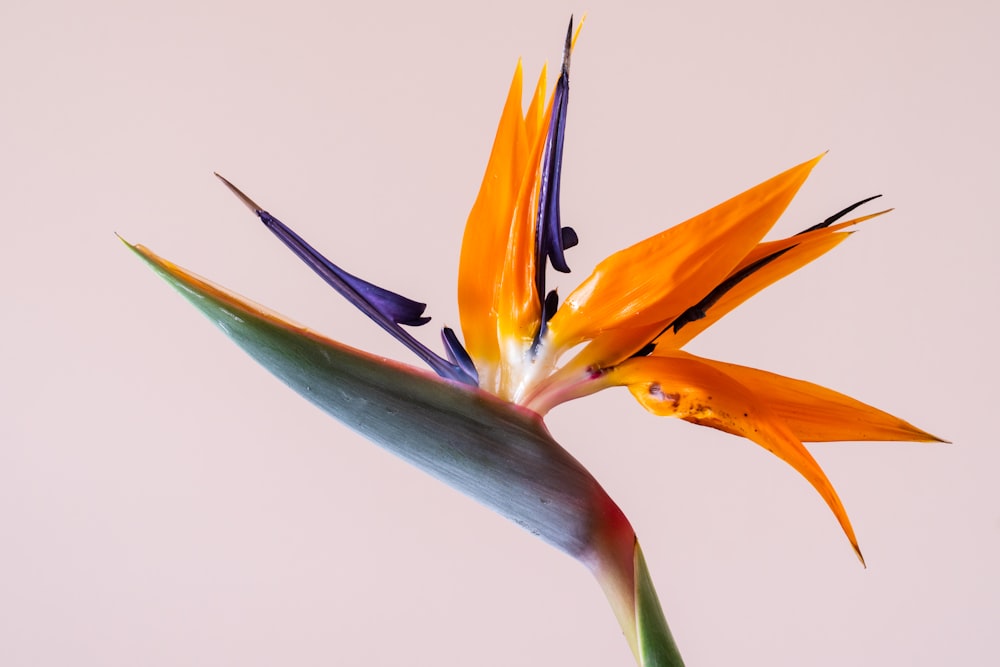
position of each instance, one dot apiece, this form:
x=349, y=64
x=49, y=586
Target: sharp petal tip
x=249, y=203
x=568, y=47
x=857, y=552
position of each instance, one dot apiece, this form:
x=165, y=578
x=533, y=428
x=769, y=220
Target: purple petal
x=385, y=308
x=389, y=305
x=458, y=354
x=550, y=241
x=569, y=238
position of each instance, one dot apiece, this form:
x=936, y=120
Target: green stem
x=619, y=566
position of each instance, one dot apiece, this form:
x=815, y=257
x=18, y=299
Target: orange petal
x=606, y=350
x=517, y=304
x=488, y=228
x=534, y=118
x=798, y=251
x=684, y=386
x=656, y=279
x=817, y=414
x=769, y=247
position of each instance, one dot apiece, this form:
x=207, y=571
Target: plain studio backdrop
x=164, y=501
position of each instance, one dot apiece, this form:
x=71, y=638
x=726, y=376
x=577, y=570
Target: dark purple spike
x=549, y=243
x=389, y=305
x=458, y=354
x=838, y=215
x=395, y=307
x=385, y=308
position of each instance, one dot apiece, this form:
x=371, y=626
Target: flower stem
x=619, y=566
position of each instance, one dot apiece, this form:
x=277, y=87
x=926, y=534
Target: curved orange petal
x=797, y=252
x=817, y=414
x=768, y=247
x=656, y=279
x=484, y=244
x=793, y=260
x=610, y=347
x=684, y=386
x=534, y=118
x=517, y=304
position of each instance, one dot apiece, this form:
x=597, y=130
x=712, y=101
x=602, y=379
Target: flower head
x=524, y=352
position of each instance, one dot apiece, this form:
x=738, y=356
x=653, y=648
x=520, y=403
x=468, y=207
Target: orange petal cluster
x=642, y=304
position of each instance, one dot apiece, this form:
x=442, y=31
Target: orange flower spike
x=684, y=386
x=518, y=308
x=521, y=290
x=656, y=279
x=485, y=241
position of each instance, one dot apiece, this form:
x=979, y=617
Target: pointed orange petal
x=518, y=306
x=485, y=241
x=656, y=279
x=793, y=260
x=534, y=118
x=764, y=249
x=684, y=386
x=798, y=251
x=817, y=414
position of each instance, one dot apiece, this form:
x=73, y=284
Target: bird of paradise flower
x=478, y=424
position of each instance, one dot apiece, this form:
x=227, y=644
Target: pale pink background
x=164, y=501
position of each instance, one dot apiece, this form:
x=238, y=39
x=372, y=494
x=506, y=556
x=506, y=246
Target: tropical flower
x=478, y=426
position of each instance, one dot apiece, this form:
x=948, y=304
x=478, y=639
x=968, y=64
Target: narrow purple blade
x=389, y=305
x=551, y=242
x=551, y=238
x=384, y=307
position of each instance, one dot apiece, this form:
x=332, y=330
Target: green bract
x=493, y=451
